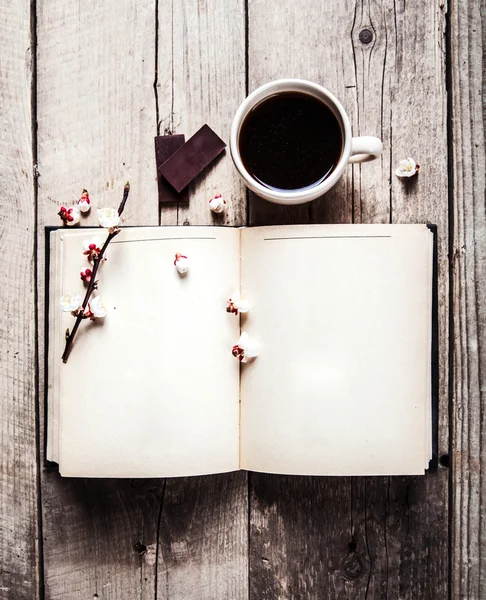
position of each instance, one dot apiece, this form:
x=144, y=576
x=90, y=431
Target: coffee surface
x=290, y=141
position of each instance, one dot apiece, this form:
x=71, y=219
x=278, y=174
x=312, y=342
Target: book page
x=152, y=390
x=343, y=317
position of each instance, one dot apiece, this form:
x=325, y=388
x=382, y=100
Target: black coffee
x=290, y=141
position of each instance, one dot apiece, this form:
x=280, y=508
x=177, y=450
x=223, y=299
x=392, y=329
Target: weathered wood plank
x=97, y=120
x=468, y=105
x=201, y=79
x=375, y=534
x=18, y=474
x=204, y=538
x=92, y=527
x=298, y=39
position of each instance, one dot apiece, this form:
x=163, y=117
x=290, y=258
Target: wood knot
x=444, y=461
x=140, y=548
x=352, y=566
x=365, y=36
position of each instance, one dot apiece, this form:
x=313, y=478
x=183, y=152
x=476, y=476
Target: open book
x=341, y=386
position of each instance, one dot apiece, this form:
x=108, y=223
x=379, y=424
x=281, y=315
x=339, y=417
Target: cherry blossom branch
x=93, y=283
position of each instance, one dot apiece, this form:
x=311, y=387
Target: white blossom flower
x=70, y=216
x=70, y=302
x=246, y=348
x=407, y=168
x=84, y=203
x=237, y=304
x=217, y=204
x=96, y=241
x=109, y=218
x=97, y=308
x=181, y=263
x=92, y=248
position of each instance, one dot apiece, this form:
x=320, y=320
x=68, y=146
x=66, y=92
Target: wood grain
x=468, y=77
x=201, y=79
x=204, y=538
x=298, y=39
x=96, y=123
x=370, y=537
x=110, y=77
x=19, y=573
x=122, y=539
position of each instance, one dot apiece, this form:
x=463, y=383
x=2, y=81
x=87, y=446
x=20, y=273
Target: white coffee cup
x=355, y=149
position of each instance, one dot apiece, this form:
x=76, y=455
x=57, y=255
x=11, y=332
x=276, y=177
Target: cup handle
x=365, y=148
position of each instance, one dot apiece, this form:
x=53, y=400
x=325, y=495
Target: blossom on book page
x=92, y=248
x=70, y=302
x=237, y=304
x=181, y=263
x=246, y=349
x=97, y=308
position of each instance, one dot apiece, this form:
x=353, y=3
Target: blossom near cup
x=407, y=168
x=217, y=204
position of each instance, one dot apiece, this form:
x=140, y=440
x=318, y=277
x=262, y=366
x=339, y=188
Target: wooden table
x=84, y=88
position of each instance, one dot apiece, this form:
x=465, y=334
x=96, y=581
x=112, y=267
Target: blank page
x=152, y=389
x=343, y=317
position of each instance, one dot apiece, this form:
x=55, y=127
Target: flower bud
x=246, y=349
x=217, y=204
x=237, y=304
x=181, y=263
x=86, y=275
x=84, y=203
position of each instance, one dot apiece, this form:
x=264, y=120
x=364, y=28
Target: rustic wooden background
x=84, y=87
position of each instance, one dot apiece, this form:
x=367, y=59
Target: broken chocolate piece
x=196, y=154
x=165, y=146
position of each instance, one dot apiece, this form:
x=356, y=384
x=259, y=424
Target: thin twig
x=92, y=283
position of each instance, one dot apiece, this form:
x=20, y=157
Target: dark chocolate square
x=191, y=158
x=165, y=147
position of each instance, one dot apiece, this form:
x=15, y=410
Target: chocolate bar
x=165, y=146
x=191, y=158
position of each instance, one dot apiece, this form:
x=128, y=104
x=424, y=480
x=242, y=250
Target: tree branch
x=92, y=283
